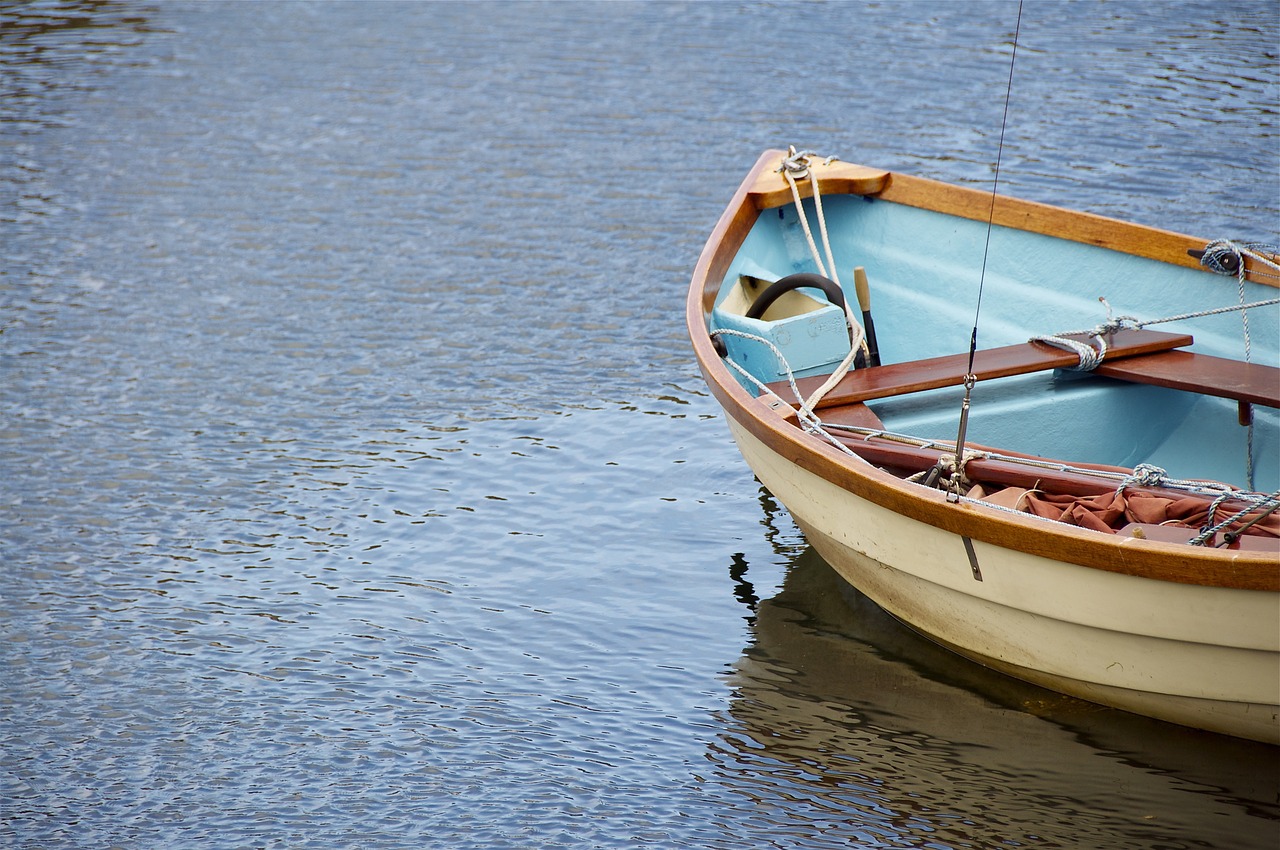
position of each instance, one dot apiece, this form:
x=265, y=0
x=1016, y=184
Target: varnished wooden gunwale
x=769, y=189
x=1147, y=559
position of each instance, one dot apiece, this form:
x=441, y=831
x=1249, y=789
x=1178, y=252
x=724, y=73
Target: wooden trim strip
x=1088, y=228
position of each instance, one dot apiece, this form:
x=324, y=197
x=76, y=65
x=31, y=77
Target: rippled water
x=359, y=489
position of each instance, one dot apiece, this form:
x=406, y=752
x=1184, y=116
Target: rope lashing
x=1267, y=504
x=1091, y=357
x=1145, y=475
x=1227, y=257
x=947, y=474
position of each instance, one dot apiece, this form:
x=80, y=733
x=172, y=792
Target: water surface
x=359, y=489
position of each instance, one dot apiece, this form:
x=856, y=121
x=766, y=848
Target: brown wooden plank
x=909, y=459
x=949, y=371
x=1200, y=373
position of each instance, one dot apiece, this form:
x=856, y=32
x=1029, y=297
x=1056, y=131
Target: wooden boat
x=1092, y=511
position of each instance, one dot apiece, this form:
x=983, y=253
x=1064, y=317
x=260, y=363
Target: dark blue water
x=358, y=489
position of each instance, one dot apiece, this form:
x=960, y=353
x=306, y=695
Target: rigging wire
x=995, y=187
x=970, y=379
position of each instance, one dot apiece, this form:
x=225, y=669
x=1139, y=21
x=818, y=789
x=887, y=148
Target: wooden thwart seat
x=1137, y=356
x=937, y=372
x=1251, y=383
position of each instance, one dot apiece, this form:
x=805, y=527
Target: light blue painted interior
x=812, y=343
x=924, y=269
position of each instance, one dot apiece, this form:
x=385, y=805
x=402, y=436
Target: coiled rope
x=1225, y=256
x=1222, y=255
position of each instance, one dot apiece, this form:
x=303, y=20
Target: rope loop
x=1227, y=257
x=1090, y=357
x=1144, y=475
x=796, y=163
x=1223, y=257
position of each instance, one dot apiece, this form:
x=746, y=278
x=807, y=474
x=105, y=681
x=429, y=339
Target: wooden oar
x=863, y=289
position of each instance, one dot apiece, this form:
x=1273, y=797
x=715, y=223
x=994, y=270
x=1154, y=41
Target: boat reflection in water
x=889, y=740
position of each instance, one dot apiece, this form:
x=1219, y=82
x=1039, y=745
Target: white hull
x=1197, y=655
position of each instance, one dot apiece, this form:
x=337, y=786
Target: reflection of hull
x=1181, y=632
x=839, y=705
x=1199, y=656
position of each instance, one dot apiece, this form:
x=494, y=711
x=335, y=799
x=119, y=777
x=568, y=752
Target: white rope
x=761, y=385
x=795, y=166
x=808, y=420
x=1200, y=313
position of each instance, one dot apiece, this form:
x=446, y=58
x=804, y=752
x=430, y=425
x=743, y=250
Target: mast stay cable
x=957, y=470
